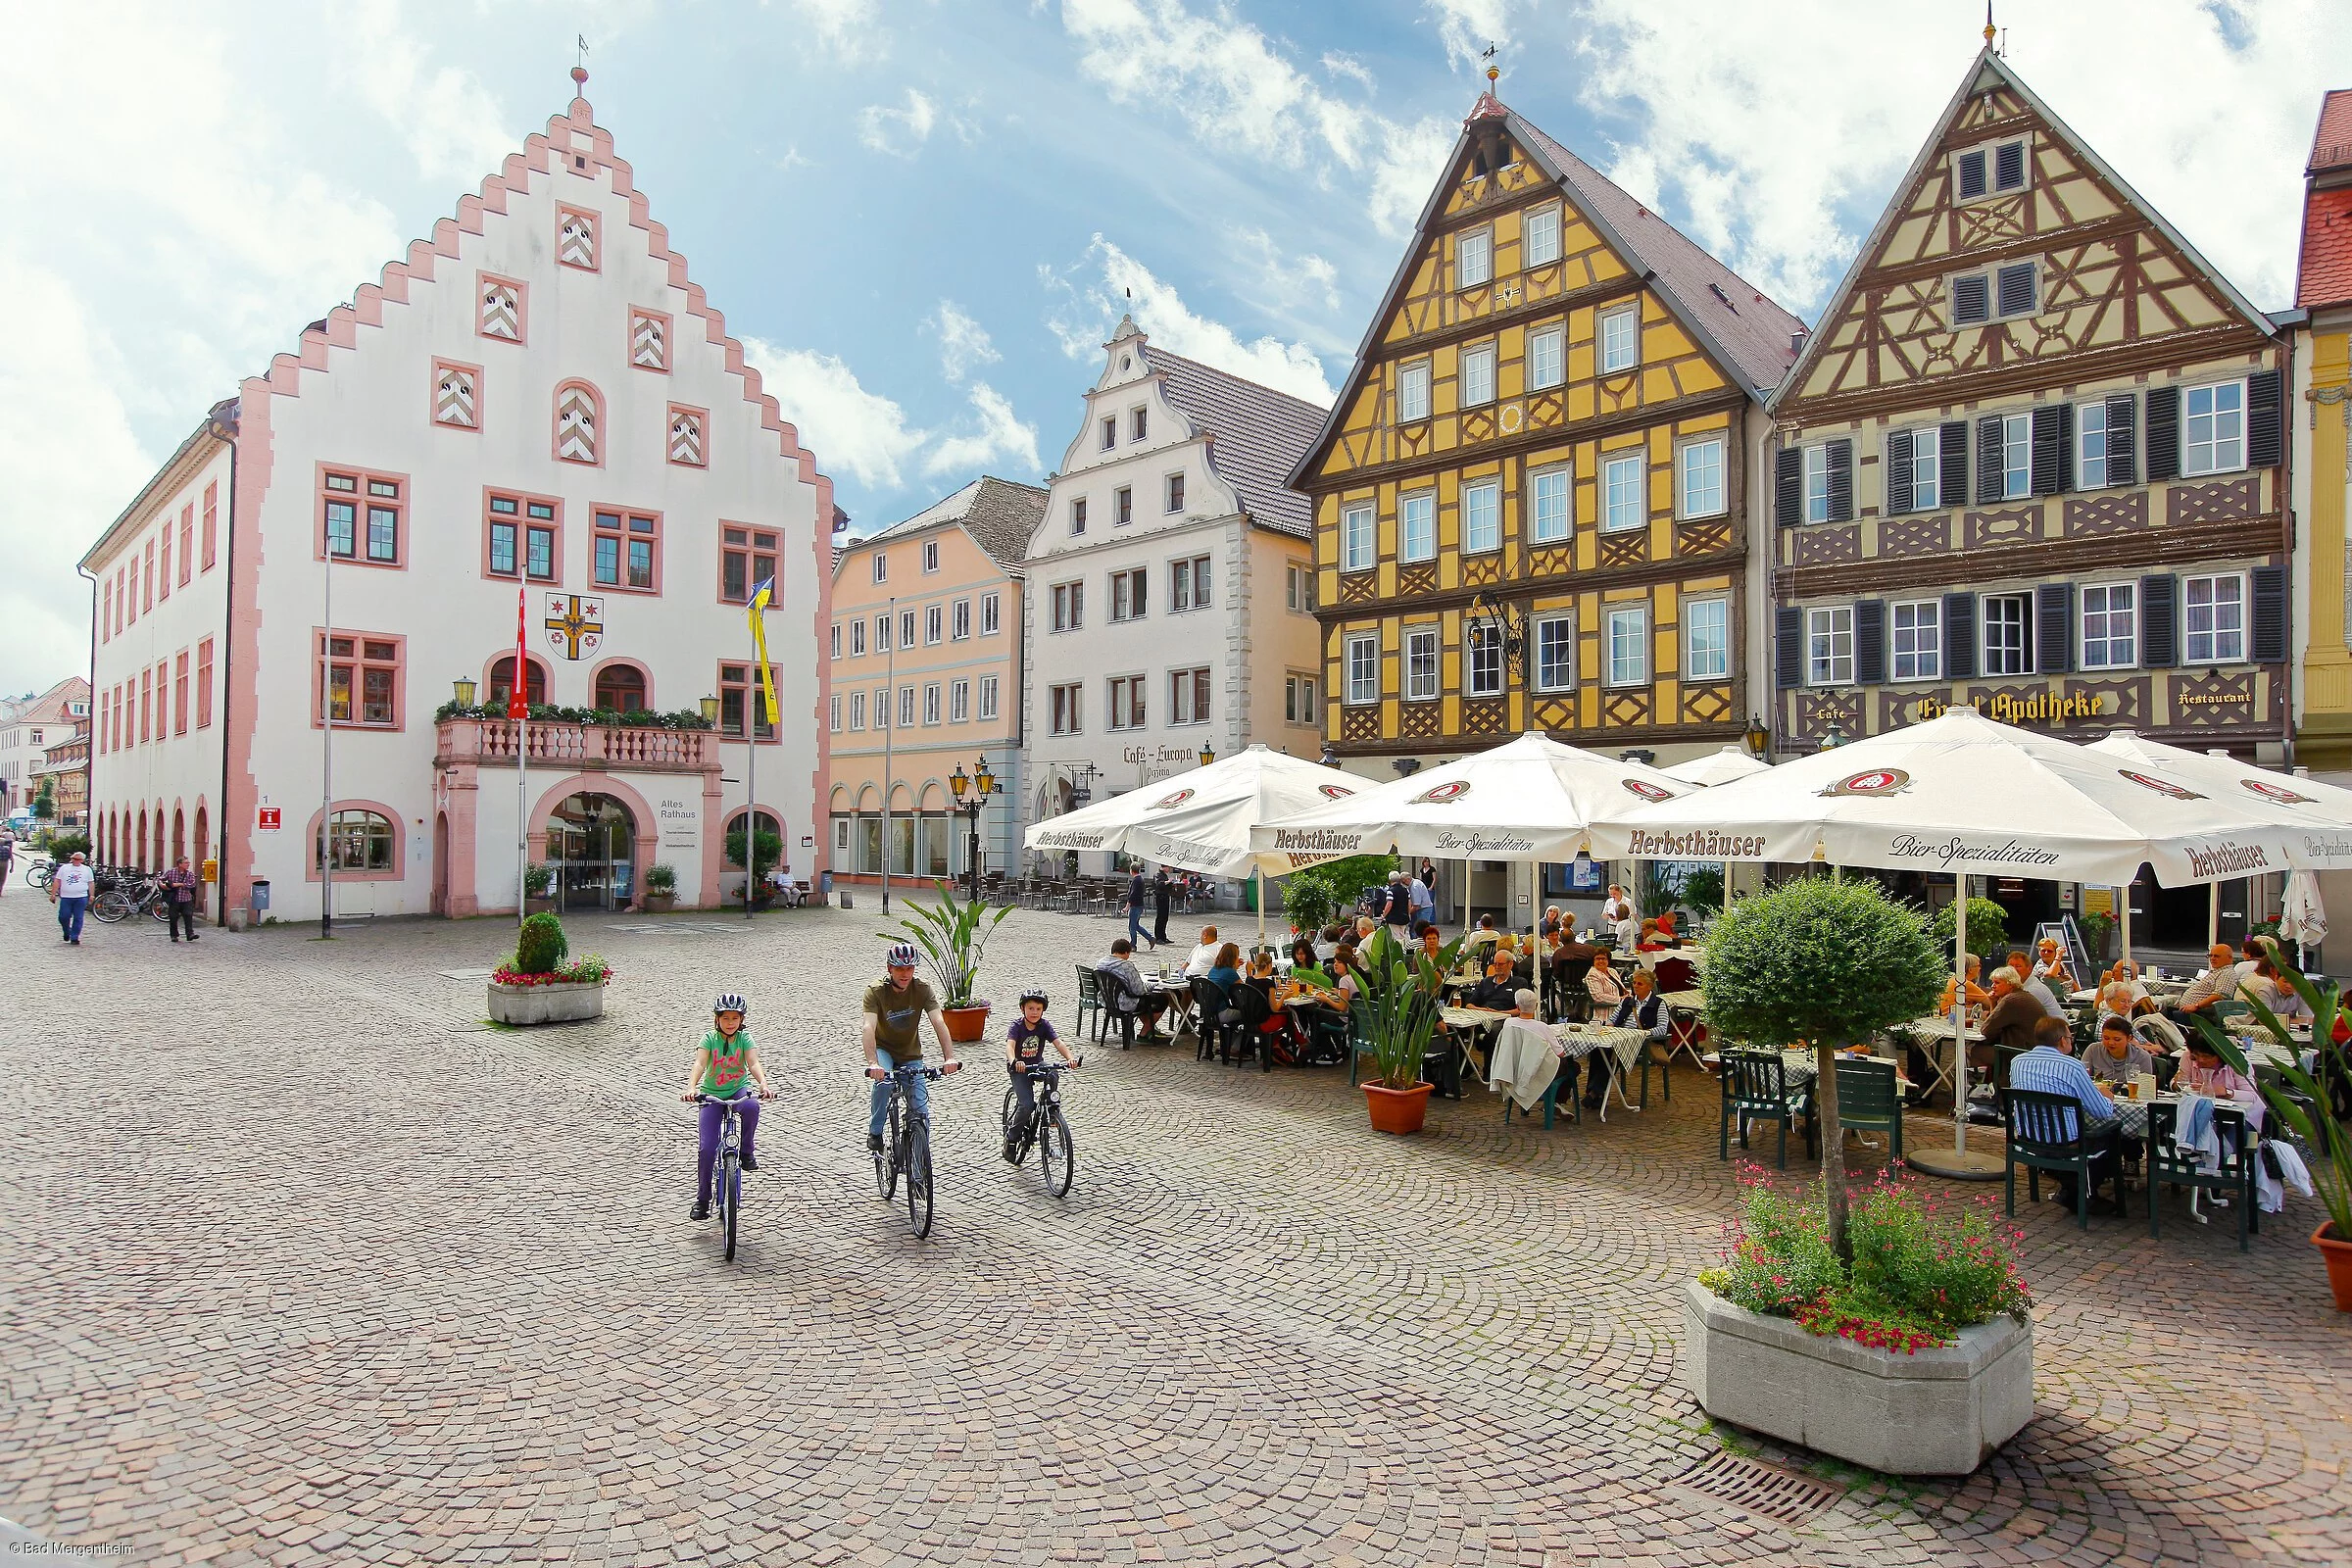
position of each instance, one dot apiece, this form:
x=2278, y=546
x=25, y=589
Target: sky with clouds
x=923, y=216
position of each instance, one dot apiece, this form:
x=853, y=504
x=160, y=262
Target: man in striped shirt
x=2050, y=1068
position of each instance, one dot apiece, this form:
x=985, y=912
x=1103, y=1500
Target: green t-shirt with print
x=727, y=1070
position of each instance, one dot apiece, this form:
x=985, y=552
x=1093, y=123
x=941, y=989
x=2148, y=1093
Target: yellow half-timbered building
x=1530, y=500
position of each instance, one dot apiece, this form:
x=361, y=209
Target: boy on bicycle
x=1025, y=1045
x=895, y=1009
x=726, y=1055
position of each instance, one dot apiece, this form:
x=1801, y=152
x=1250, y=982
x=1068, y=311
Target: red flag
x=518, y=698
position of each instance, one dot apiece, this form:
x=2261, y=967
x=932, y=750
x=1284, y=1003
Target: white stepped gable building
x=1171, y=585
x=536, y=398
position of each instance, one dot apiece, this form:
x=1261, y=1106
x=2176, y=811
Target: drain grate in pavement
x=1753, y=1487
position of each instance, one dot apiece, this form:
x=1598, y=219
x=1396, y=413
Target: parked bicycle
x=43, y=872
x=1044, y=1127
x=119, y=894
x=907, y=1147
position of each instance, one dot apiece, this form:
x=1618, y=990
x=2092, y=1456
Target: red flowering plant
x=538, y=959
x=585, y=970
x=1922, y=1270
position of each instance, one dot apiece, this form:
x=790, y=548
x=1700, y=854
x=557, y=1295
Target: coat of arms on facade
x=575, y=624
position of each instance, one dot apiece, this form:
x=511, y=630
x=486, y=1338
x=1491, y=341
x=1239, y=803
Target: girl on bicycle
x=726, y=1057
x=1025, y=1045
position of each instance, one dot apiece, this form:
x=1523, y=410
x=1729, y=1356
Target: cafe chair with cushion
x=1867, y=1100
x=1216, y=1018
x=1756, y=1088
x=2046, y=1132
x=1090, y=1000
x=2232, y=1177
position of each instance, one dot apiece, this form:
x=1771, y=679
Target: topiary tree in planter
x=1988, y=929
x=540, y=946
x=1308, y=899
x=1824, y=963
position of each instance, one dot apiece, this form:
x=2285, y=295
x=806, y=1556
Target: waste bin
x=260, y=894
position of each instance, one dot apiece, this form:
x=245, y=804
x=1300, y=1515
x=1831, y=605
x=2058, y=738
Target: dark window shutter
x=1787, y=646
x=1896, y=460
x=2053, y=449
x=1960, y=636
x=2015, y=289
x=1971, y=170
x=2269, y=613
x=2123, y=442
x=1870, y=641
x=1988, y=459
x=2055, y=637
x=1954, y=463
x=2009, y=166
x=1842, y=481
x=1789, y=486
x=2162, y=435
x=2159, y=621
x=1972, y=300
x=2265, y=420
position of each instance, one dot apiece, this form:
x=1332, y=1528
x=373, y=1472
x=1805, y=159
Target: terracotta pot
x=2338, y=1255
x=966, y=1024
x=658, y=903
x=1398, y=1110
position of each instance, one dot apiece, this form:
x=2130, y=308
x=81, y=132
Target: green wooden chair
x=2046, y=1132
x=1089, y=1001
x=1867, y=1100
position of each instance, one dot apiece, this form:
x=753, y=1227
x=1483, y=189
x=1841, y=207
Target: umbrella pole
x=1259, y=872
x=1535, y=925
x=2212, y=914
x=1962, y=1164
x=2124, y=925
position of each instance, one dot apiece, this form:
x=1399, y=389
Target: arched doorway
x=592, y=849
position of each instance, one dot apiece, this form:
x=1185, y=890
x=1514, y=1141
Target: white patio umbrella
x=1200, y=820
x=2303, y=919
x=1532, y=799
x=1966, y=795
x=1718, y=767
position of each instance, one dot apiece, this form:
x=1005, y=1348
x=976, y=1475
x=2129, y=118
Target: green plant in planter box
x=1826, y=965
x=2096, y=929
x=661, y=879
x=1308, y=899
x=952, y=934
x=1987, y=930
x=1397, y=1004
x=540, y=946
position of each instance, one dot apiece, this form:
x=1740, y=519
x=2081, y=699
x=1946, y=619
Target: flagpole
x=751, y=790
x=889, y=736
x=518, y=709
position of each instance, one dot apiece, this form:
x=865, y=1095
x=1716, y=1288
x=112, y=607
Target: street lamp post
x=971, y=799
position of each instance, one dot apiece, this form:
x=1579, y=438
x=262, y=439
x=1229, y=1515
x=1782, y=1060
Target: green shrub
x=1702, y=891
x=1310, y=900
x=1988, y=931
x=770, y=849
x=65, y=845
x=537, y=879
x=661, y=878
x=540, y=946
x=1349, y=875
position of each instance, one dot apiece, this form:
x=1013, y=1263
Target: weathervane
x=1493, y=72
x=582, y=39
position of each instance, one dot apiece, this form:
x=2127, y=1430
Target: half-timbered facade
x=2031, y=460
x=1531, y=498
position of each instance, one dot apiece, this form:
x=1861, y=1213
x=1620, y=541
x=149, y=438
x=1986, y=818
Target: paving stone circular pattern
x=303, y=1262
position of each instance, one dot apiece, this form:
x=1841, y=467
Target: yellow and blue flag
x=761, y=597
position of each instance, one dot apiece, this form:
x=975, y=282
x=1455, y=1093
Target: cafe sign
x=2046, y=708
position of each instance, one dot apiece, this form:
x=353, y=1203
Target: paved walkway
x=302, y=1264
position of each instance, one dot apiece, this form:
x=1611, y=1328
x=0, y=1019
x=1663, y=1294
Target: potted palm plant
x=1397, y=1010
x=952, y=933
x=2316, y=1106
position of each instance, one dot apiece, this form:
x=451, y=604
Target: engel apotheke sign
x=2047, y=708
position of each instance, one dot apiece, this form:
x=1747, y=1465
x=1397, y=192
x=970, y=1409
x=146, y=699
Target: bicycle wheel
x=886, y=1161
x=40, y=876
x=159, y=909
x=111, y=906
x=1055, y=1159
x=730, y=1200
x=919, y=1175
x=1012, y=1126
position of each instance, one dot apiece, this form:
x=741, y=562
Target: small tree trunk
x=1833, y=1146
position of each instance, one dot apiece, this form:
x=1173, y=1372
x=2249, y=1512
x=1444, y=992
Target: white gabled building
x=538, y=400
x=1171, y=585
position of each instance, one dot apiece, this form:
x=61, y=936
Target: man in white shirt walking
x=71, y=889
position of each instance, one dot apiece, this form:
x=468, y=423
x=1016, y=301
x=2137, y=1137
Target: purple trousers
x=713, y=1114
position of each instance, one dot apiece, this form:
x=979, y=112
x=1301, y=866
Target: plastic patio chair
x=2232, y=1177
x=1090, y=1000
x=1755, y=1088
x=1867, y=1100
x=2046, y=1132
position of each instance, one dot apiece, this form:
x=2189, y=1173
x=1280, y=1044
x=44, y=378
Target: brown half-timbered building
x=2032, y=459
x=1531, y=498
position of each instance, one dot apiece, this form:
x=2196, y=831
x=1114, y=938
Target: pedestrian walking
x=70, y=890
x=1425, y=901
x=179, y=889
x=1135, y=908
x=7, y=855
x=1164, y=890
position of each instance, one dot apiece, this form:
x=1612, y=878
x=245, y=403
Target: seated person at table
x=1342, y=970
x=1482, y=934
x=1978, y=997
x=2119, y=1056
x=1205, y=956
x=1627, y=933
x=2050, y=1068
x=1226, y=970
x=2008, y=1023
x=2114, y=1001
x=1603, y=986
x=2219, y=983
x=2037, y=986
x=1551, y=920
x=1128, y=996
x=2206, y=1073
x=1670, y=930
x=1366, y=925
x=1498, y=992
x=1433, y=942
x=1642, y=1008
x=2268, y=987
x=1306, y=968
x=2050, y=965
x=1529, y=1006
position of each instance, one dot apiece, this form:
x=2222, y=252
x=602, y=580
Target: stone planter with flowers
x=536, y=985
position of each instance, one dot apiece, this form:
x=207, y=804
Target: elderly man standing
x=179, y=893
x=70, y=890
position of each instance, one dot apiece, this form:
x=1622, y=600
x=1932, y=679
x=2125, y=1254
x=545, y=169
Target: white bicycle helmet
x=902, y=956
x=729, y=1001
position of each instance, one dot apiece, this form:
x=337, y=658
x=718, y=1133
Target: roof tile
x=1257, y=436
x=2325, y=276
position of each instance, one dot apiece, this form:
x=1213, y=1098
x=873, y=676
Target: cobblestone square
x=303, y=1262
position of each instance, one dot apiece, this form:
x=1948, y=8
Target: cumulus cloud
x=897, y=131
x=451, y=123
x=1711, y=119
x=841, y=25
x=1282, y=281
x=963, y=343
x=866, y=436
x=1468, y=26
x=1090, y=297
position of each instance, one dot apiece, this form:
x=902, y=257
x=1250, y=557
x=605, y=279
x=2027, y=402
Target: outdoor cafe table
x=1938, y=1031
x=1580, y=1039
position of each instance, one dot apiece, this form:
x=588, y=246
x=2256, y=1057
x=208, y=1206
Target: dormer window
x=1110, y=432
x=1990, y=170
x=1138, y=424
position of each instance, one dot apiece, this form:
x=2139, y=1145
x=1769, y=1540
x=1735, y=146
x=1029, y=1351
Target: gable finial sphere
x=1988, y=29
x=580, y=74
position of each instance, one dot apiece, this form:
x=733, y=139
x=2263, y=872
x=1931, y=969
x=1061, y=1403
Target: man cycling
x=895, y=1009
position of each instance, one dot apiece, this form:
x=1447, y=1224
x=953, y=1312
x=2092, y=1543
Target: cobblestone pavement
x=300, y=1262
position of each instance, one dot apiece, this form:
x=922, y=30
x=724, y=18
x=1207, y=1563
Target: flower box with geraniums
x=952, y=934
x=1915, y=1358
x=1397, y=1012
x=1895, y=1336
x=660, y=894
x=538, y=883
x=536, y=985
